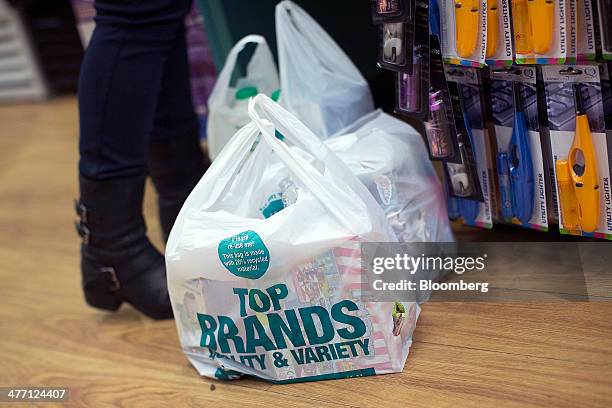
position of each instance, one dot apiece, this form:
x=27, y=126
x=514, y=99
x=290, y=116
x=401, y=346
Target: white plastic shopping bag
x=278, y=297
x=319, y=82
x=391, y=159
x=227, y=104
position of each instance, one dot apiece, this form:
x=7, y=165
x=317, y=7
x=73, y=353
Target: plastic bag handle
x=222, y=170
x=299, y=167
x=294, y=24
x=219, y=91
x=285, y=22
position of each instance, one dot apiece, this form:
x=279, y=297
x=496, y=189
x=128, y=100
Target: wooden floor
x=465, y=354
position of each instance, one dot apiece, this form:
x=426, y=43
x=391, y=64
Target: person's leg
x=121, y=79
x=120, y=82
x=176, y=160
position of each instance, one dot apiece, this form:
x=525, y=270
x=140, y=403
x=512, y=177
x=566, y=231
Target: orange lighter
x=492, y=27
x=466, y=26
x=583, y=168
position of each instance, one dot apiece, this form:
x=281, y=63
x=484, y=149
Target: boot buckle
x=81, y=228
x=81, y=211
x=83, y=232
x=113, y=277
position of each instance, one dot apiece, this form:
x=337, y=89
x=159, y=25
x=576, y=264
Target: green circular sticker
x=244, y=255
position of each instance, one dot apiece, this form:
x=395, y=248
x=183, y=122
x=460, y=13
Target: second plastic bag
x=280, y=297
x=320, y=83
x=227, y=104
x=390, y=158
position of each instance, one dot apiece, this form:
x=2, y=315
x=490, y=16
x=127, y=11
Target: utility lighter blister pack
x=580, y=149
x=476, y=210
x=499, y=50
x=280, y=297
x=542, y=31
x=520, y=165
x=464, y=31
x=549, y=162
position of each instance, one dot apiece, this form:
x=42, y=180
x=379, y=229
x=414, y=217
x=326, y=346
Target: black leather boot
x=118, y=263
x=175, y=165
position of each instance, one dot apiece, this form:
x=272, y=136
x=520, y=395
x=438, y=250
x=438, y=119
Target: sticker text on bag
x=244, y=255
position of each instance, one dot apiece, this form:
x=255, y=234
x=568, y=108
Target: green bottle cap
x=275, y=95
x=245, y=93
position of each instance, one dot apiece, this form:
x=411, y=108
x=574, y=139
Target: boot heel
x=106, y=301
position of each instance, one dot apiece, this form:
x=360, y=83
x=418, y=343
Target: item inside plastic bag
x=320, y=83
x=227, y=103
x=280, y=297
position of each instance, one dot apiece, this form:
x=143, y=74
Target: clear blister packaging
x=397, y=50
